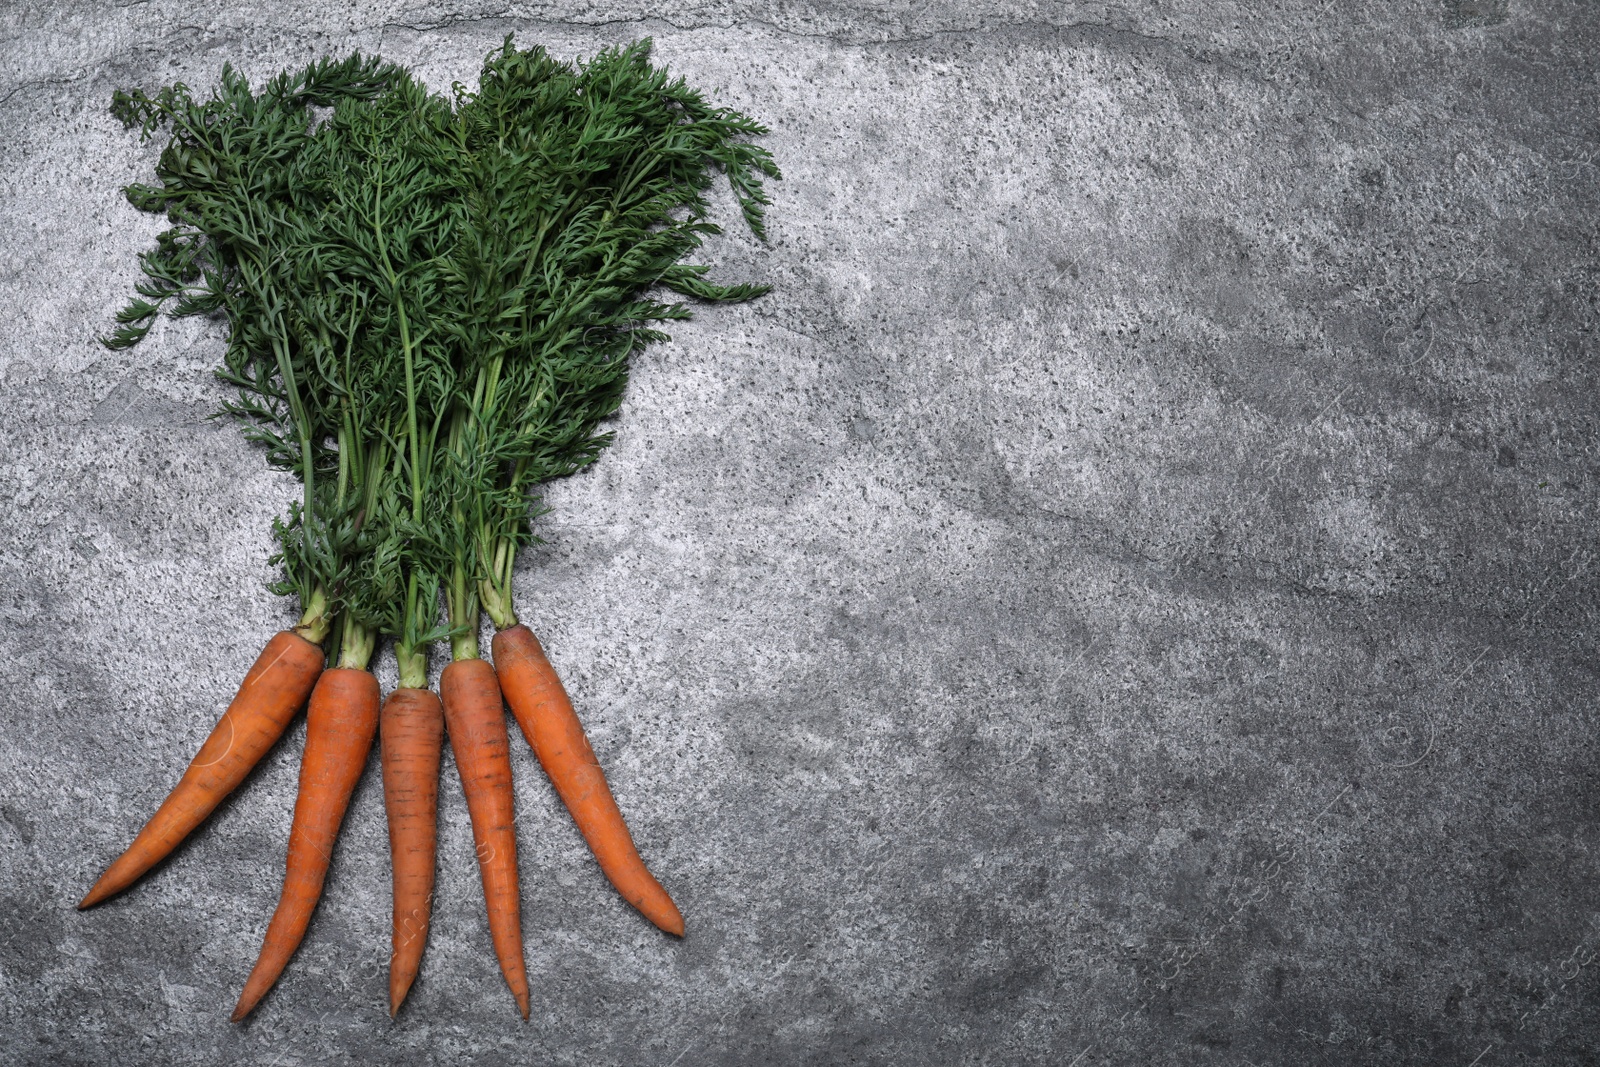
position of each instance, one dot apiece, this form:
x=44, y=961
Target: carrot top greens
x=586, y=189
x=431, y=303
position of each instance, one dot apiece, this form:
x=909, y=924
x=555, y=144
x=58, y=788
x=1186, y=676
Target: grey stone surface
x=1127, y=597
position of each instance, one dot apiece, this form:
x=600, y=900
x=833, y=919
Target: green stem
x=410, y=654
x=315, y=621
x=495, y=589
x=407, y=351
x=411, y=403
x=347, y=445
x=413, y=663
x=291, y=390
x=355, y=649
x=463, y=597
x=461, y=593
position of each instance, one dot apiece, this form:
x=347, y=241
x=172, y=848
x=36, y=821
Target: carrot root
x=542, y=709
x=341, y=719
x=412, y=731
x=476, y=719
x=273, y=690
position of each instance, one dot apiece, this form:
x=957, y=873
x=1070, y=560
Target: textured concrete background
x=1127, y=597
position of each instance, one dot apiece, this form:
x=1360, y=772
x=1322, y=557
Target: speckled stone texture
x=1126, y=597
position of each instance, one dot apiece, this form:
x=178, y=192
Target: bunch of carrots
x=431, y=306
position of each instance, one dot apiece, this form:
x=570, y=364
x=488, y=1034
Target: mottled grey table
x=1126, y=597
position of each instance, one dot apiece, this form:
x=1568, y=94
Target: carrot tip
x=248, y=1002
x=668, y=921
x=522, y=1005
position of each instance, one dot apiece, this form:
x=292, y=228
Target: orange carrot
x=340, y=723
x=273, y=690
x=412, y=731
x=539, y=702
x=476, y=718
